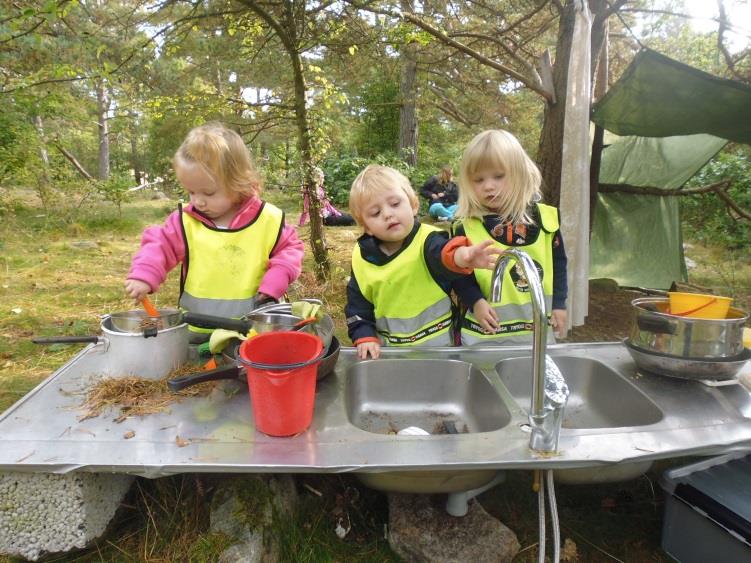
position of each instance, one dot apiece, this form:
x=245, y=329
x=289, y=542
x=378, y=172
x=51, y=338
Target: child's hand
x=137, y=289
x=558, y=320
x=365, y=348
x=486, y=316
x=483, y=255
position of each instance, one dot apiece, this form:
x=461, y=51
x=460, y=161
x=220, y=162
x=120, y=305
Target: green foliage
x=341, y=171
x=17, y=141
x=706, y=217
x=378, y=130
x=115, y=189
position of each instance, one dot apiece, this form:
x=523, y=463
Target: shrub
x=706, y=217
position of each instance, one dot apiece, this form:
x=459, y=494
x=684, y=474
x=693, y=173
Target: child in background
x=332, y=217
x=235, y=249
x=402, y=270
x=441, y=193
x=499, y=201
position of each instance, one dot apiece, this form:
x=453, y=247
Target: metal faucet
x=549, y=389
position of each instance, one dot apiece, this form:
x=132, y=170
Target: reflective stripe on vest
x=411, y=309
x=224, y=267
x=514, y=310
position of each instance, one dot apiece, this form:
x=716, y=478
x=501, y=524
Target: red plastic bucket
x=281, y=369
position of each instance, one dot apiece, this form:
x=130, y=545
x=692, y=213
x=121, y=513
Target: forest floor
x=60, y=271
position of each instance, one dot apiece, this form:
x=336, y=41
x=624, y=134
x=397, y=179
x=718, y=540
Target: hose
x=541, y=520
x=554, y=517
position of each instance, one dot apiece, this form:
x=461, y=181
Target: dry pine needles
x=134, y=396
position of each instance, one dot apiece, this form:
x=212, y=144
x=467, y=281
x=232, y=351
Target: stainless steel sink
x=439, y=396
x=600, y=397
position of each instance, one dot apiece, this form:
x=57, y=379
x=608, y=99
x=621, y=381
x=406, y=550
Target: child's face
x=487, y=184
x=215, y=202
x=388, y=215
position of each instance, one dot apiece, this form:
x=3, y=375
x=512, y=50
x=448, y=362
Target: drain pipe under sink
x=457, y=504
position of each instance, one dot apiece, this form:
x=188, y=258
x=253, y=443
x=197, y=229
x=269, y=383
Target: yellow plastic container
x=699, y=305
x=747, y=338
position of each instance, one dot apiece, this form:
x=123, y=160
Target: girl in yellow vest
x=402, y=270
x=235, y=249
x=499, y=201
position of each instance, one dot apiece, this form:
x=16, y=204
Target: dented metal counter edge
x=668, y=418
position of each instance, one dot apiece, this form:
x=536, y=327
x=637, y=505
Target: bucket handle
x=699, y=308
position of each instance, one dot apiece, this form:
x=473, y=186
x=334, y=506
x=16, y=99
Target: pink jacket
x=327, y=208
x=163, y=248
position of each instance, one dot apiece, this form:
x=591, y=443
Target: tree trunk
x=601, y=87
x=103, y=106
x=317, y=235
x=408, y=97
x=551, y=137
x=44, y=177
x=135, y=162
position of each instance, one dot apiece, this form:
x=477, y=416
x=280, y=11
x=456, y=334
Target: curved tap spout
x=544, y=419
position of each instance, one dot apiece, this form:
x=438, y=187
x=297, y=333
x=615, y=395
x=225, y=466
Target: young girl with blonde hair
x=499, y=200
x=235, y=249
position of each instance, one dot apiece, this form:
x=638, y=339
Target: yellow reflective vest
x=514, y=310
x=223, y=268
x=411, y=309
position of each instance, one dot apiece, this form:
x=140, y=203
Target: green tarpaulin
x=636, y=239
x=674, y=119
x=667, y=162
x=660, y=97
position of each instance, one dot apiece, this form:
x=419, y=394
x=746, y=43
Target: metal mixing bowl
x=136, y=321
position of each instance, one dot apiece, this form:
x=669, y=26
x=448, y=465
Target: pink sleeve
x=162, y=248
x=285, y=264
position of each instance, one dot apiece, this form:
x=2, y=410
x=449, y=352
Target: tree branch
x=650, y=190
x=74, y=161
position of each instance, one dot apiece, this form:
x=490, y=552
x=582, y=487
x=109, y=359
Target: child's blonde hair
x=374, y=179
x=445, y=175
x=497, y=149
x=223, y=155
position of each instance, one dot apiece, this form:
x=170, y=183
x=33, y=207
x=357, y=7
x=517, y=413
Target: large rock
x=245, y=509
x=420, y=529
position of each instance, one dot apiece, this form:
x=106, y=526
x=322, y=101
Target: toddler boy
x=402, y=270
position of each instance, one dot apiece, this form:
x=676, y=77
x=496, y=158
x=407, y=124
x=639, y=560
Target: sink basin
x=440, y=396
x=600, y=397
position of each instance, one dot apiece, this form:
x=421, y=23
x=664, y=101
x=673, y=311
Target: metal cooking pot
x=139, y=321
x=231, y=369
x=265, y=321
x=654, y=330
x=662, y=364
x=120, y=354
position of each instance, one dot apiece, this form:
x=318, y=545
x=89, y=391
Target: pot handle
x=210, y=321
x=656, y=325
x=65, y=339
x=224, y=372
